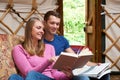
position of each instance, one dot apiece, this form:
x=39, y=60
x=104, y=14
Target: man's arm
x=69, y=50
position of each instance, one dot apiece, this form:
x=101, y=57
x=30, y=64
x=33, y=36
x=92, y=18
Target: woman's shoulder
x=48, y=45
x=17, y=46
x=49, y=49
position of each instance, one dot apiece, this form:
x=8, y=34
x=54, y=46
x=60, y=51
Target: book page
x=104, y=73
x=92, y=71
x=98, y=69
x=85, y=51
x=69, y=54
x=80, y=71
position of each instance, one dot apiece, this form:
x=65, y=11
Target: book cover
x=73, y=60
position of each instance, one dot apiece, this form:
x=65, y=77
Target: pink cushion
x=7, y=66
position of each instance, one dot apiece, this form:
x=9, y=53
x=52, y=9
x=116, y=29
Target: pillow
x=7, y=66
x=77, y=47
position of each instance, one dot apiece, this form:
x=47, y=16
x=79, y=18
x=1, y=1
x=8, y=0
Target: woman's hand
x=68, y=71
x=53, y=59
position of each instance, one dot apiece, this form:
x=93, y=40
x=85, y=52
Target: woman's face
x=37, y=30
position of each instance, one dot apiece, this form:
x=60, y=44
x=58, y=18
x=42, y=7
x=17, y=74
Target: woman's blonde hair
x=28, y=44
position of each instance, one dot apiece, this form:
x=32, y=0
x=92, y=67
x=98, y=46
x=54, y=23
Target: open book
x=72, y=60
x=93, y=71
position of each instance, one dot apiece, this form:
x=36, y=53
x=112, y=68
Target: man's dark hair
x=53, y=13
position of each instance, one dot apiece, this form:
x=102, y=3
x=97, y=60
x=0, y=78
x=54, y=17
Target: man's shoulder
x=59, y=36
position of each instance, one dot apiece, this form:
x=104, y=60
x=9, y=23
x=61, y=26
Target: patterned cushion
x=7, y=66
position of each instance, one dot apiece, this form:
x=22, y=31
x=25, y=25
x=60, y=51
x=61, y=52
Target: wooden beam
x=60, y=10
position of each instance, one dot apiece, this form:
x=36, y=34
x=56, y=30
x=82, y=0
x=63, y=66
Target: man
x=52, y=23
x=60, y=43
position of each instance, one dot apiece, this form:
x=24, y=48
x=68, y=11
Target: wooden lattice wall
x=112, y=34
x=12, y=20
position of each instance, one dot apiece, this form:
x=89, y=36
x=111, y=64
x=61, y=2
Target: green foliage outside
x=74, y=18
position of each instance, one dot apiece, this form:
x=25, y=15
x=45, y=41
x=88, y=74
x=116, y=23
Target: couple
x=34, y=58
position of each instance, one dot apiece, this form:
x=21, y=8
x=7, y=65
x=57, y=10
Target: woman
x=33, y=58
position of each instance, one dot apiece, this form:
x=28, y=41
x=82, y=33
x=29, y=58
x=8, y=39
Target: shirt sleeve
x=66, y=42
x=22, y=63
x=59, y=75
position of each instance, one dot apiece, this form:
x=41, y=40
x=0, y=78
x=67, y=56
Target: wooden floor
x=115, y=77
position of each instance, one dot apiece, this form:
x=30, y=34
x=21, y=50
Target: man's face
x=52, y=25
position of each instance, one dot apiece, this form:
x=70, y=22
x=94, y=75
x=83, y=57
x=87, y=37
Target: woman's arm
x=22, y=63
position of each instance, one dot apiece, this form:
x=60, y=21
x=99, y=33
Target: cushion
x=77, y=47
x=7, y=66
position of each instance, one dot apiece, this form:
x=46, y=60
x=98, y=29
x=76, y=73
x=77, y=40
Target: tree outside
x=74, y=18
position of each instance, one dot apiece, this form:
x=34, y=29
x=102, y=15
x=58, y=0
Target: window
x=74, y=18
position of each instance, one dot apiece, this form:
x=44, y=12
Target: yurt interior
x=102, y=28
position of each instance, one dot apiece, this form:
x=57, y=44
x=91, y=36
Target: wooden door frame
x=98, y=30
x=93, y=28
x=94, y=39
x=60, y=10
